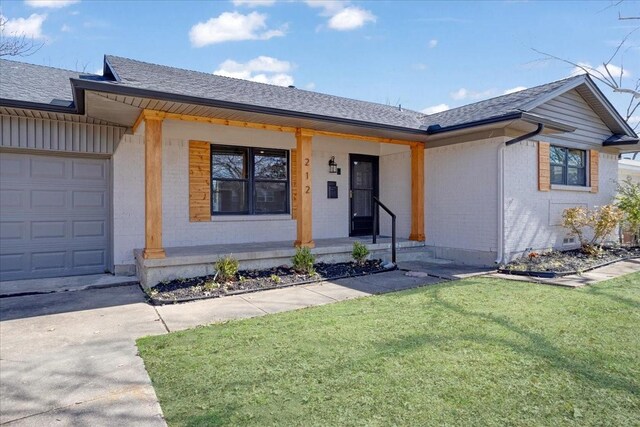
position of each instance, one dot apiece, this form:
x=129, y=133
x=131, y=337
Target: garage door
x=53, y=216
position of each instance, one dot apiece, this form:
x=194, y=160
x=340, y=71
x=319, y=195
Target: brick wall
x=533, y=218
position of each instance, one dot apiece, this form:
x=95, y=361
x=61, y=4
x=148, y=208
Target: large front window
x=568, y=166
x=249, y=180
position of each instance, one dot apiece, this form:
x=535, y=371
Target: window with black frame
x=248, y=180
x=568, y=166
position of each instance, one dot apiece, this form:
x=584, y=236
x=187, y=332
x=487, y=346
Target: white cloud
x=634, y=121
x=30, y=27
x=350, y=19
x=613, y=69
x=342, y=16
x=253, y=3
x=435, y=109
x=50, y=4
x=232, y=26
x=433, y=43
x=514, y=90
x=420, y=66
x=65, y=28
x=98, y=71
x=263, y=69
x=310, y=86
x=463, y=93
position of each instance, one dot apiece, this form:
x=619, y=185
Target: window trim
x=565, y=167
x=251, y=180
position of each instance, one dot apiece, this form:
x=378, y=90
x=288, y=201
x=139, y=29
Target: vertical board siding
x=55, y=135
x=199, y=181
x=594, y=172
x=544, y=166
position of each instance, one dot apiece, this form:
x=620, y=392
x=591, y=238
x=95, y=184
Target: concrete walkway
x=578, y=280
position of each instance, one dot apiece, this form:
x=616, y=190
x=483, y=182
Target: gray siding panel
x=572, y=109
x=54, y=135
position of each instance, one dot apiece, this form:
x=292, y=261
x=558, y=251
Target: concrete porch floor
x=192, y=261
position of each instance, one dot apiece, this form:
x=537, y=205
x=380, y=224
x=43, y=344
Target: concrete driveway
x=70, y=359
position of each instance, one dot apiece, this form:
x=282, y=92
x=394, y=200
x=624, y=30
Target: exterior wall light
x=333, y=167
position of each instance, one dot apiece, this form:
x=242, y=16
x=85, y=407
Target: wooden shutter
x=294, y=185
x=199, y=181
x=544, y=166
x=594, y=180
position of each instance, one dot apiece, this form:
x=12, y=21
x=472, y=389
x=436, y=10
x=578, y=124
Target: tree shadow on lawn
x=602, y=292
x=539, y=346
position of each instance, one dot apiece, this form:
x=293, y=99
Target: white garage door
x=54, y=214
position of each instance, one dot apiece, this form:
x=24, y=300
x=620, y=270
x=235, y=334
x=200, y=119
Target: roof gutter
x=518, y=115
x=26, y=105
x=115, y=88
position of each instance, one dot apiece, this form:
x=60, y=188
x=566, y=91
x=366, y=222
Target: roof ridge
x=566, y=79
x=266, y=84
x=47, y=66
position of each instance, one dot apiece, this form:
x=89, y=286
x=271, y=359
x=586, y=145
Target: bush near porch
x=475, y=352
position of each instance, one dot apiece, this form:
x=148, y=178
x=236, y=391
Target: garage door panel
x=12, y=198
x=13, y=263
x=88, y=170
x=54, y=214
x=48, y=199
x=83, y=229
x=89, y=200
x=88, y=258
x=12, y=230
x=48, y=167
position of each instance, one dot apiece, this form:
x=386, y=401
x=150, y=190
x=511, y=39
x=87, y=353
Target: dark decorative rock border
x=555, y=274
x=371, y=267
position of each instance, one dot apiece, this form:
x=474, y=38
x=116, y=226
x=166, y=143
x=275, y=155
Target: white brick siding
x=461, y=196
x=532, y=217
x=330, y=216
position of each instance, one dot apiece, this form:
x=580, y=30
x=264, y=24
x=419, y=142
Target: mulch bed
x=203, y=287
x=563, y=263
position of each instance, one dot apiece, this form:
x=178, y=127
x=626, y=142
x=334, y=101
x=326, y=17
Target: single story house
x=158, y=170
x=629, y=169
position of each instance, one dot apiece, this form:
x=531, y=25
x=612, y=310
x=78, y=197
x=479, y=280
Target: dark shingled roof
x=495, y=107
x=36, y=83
x=161, y=78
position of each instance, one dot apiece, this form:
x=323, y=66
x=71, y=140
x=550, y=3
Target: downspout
x=501, y=147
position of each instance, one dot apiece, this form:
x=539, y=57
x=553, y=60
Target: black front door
x=363, y=186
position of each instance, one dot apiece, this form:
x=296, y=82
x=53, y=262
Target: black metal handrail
x=376, y=226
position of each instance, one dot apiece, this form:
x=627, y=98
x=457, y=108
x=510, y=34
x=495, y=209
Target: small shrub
x=629, y=203
x=359, y=253
x=210, y=286
x=227, y=268
x=275, y=278
x=601, y=221
x=303, y=261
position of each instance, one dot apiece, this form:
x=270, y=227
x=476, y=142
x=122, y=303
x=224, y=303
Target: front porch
x=192, y=261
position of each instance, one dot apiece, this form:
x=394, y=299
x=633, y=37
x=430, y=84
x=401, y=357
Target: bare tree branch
x=16, y=44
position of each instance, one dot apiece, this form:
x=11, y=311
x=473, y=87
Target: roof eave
x=116, y=88
x=28, y=105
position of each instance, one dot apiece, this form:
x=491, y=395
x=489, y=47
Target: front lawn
x=475, y=352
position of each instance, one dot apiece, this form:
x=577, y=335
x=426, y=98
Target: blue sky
x=420, y=54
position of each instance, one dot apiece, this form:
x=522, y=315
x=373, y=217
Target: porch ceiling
x=125, y=110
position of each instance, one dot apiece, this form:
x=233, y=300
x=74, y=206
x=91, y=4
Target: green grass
x=474, y=352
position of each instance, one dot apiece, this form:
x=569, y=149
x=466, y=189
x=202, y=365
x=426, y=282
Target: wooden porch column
x=153, y=187
x=303, y=177
x=417, y=192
